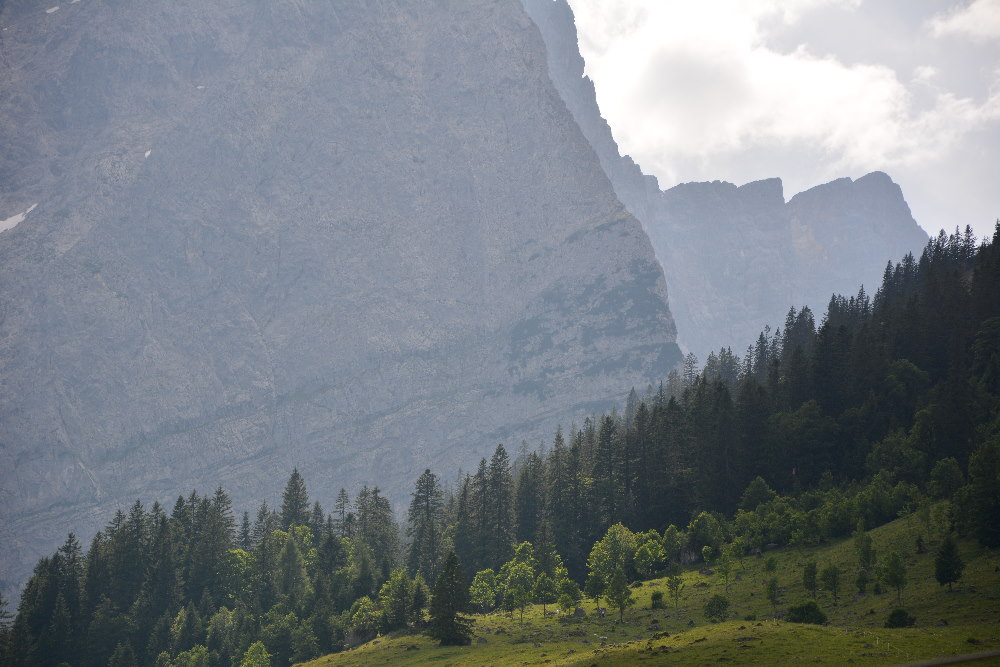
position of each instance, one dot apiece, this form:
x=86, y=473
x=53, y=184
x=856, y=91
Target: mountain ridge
x=766, y=258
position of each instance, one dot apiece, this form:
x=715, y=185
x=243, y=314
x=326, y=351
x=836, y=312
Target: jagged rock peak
x=737, y=258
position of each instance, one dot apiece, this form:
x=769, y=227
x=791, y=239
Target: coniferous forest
x=825, y=427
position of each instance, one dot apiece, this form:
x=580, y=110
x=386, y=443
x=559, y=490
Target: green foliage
x=756, y=493
x=649, y=558
x=450, y=596
x=773, y=592
x=706, y=554
x=809, y=577
x=485, y=590
x=946, y=478
x=619, y=593
x=900, y=618
x=830, y=579
x=675, y=586
x=569, y=590
x=426, y=526
x=673, y=540
x=704, y=530
x=807, y=612
x=295, y=502
x=979, y=501
x=396, y=600
x=544, y=591
x=861, y=581
x=366, y=617
x=196, y=656
x=914, y=371
x=717, y=608
x=948, y=565
x=865, y=549
x=656, y=600
x=894, y=573
x=519, y=585
x=256, y=655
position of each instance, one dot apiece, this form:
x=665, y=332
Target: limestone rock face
x=736, y=258
x=358, y=238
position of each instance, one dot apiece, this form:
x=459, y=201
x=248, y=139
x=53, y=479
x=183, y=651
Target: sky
x=808, y=91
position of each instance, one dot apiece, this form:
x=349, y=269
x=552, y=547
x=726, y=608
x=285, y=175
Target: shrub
x=807, y=612
x=657, y=600
x=717, y=609
x=900, y=618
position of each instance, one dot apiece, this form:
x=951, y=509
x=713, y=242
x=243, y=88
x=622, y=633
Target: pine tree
x=295, y=502
x=426, y=519
x=317, y=520
x=245, y=539
x=340, y=510
x=450, y=596
x=529, y=497
x=948, y=565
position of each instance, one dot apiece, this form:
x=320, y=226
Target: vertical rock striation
x=360, y=238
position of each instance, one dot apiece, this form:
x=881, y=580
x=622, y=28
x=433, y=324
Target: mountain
x=736, y=258
x=358, y=238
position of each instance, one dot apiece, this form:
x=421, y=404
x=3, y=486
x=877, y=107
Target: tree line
x=816, y=433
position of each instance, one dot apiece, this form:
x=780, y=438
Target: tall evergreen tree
x=426, y=529
x=295, y=502
x=449, y=599
x=948, y=565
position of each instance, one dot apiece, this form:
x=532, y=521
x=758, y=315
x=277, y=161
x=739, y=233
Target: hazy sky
x=807, y=90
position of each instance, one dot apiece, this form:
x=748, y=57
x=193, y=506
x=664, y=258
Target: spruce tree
x=948, y=565
x=295, y=502
x=340, y=510
x=426, y=519
x=446, y=624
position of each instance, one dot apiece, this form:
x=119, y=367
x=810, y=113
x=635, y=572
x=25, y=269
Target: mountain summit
x=736, y=258
x=359, y=238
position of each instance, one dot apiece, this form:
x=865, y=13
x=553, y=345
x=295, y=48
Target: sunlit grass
x=966, y=620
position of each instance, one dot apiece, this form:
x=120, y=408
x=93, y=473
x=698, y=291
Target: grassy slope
x=946, y=621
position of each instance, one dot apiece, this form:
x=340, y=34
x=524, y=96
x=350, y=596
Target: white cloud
x=689, y=87
x=979, y=20
x=924, y=72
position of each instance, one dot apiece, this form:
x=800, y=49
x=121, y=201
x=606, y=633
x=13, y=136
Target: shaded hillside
x=737, y=257
x=359, y=239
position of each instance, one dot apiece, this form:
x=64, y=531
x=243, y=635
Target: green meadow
x=963, y=621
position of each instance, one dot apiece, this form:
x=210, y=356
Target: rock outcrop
x=736, y=258
x=357, y=238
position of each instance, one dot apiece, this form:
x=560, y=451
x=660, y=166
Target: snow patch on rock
x=14, y=220
x=52, y=9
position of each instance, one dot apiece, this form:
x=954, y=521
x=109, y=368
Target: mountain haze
x=361, y=238
x=736, y=258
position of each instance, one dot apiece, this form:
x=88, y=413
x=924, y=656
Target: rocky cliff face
x=736, y=258
x=360, y=238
